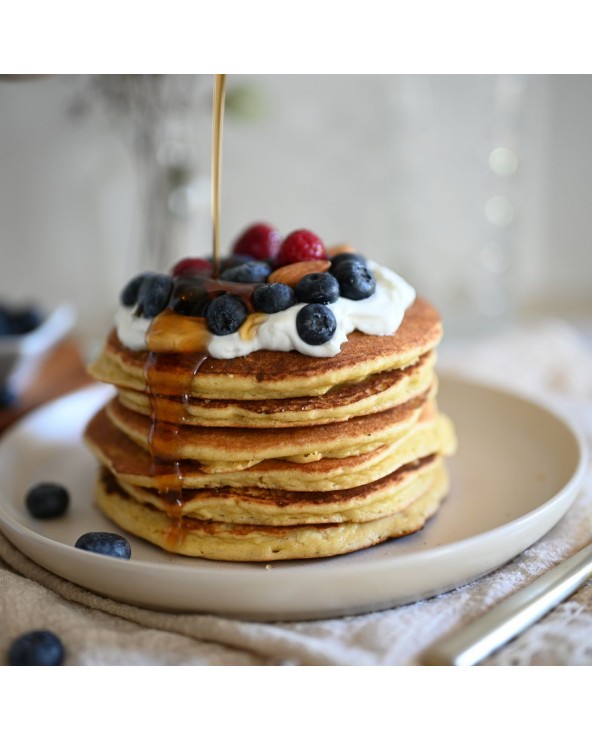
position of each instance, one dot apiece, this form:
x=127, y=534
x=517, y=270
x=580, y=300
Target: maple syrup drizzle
x=166, y=469
x=217, y=118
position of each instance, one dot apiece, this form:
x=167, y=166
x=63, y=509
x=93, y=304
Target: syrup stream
x=217, y=117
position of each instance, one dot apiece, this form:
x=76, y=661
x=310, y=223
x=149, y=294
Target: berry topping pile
x=265, y=274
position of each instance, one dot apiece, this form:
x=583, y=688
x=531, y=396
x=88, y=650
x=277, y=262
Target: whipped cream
x=378, y=315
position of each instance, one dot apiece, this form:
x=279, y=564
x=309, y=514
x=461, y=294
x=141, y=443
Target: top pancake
x=268, y=374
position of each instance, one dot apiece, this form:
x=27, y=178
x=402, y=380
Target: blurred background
x=476, y=188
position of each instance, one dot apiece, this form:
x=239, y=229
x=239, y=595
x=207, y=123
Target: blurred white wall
x=466, y=184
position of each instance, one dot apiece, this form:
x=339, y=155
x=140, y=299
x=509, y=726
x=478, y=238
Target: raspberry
x=300, y=246
x=192, y=266
x=260, y=241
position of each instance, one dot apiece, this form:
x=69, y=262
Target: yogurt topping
x=378, y=315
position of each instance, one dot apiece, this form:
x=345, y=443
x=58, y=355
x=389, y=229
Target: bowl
x=21, y=355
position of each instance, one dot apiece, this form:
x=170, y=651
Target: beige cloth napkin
x=550, y=359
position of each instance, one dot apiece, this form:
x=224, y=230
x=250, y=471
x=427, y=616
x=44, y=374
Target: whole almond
x=291, y=274
x=340, y=249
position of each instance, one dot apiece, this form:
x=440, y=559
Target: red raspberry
x=301, y=246
x=260, y=241
x=192, y=266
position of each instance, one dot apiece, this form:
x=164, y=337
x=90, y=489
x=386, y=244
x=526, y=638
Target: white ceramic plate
x=517, y=471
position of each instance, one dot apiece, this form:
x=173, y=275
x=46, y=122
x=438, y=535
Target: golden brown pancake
x=246, y=447
x=267, y=374
x=135, y=465
x=372, y=394
x=246, y=542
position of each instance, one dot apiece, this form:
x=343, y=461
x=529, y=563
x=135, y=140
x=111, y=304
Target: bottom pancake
x=256, y=543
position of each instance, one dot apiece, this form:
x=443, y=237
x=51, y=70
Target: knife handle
x=468, y=645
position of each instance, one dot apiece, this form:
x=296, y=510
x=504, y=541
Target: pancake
x=382, y=497
x=259, y=543
x=371, y=395
x=246, y=447
x=267, y=374
x=134, y=465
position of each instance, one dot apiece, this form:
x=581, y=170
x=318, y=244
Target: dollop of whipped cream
x=378, y=315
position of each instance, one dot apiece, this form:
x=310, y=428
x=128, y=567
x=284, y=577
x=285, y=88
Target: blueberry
x=273, y=297
x=129, y=295
x=154, y=294
x=105, y=543
x=317, y=287
x=249, y=272
x=190, y=297
x=16, y=321
x=355, y=280
x=347, y=257
x=38, y=647
x=315, y=323
x=225, y=314
x=234, y=260
x=7, y=397
x=47, y=500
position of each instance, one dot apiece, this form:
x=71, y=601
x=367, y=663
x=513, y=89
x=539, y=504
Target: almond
x=340, y=249
x=291, y=274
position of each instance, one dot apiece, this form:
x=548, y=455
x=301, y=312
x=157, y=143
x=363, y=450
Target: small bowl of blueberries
x=27, y=335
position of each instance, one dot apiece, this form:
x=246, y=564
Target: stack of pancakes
x=275, y=455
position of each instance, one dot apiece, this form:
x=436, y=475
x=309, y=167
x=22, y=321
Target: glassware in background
x=455, y=157
x=165, y=117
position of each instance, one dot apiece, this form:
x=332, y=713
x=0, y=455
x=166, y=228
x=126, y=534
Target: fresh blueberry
x=355, y=280
x=15, y=321
x=249, y=272
x=47, y=500
x=317, y=287
x=7, y=397
x=347, y=257
x=315, y=323
x=154, y=294
x=234, y=260
x=273, y=297
x=190, y=297
x=38, y=647
x=129, y=295
x=105, y=543
x=225, y=314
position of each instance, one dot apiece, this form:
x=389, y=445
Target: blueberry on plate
x=129, y=295
x=47, y=500
x=273, y=297
x=38, y=647
x=154, y=294
x=105, y=543
x=225, y=314
x=356, y=282
x=315, y=323
x=254, y=271
x=317, y=287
